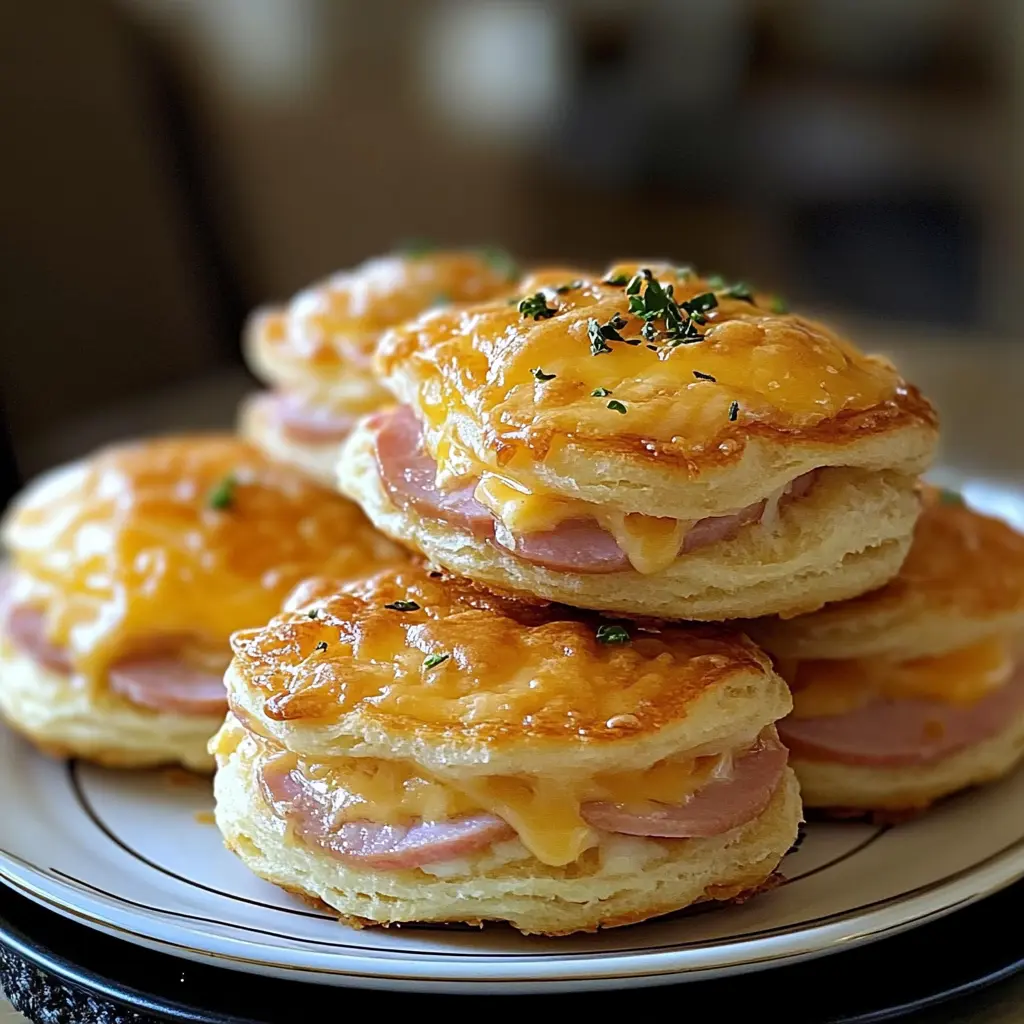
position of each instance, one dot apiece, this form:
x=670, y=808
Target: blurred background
x=169, y=164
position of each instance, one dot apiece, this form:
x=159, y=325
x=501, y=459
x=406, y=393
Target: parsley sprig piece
x=322, y=646
x=734, y=412
x=500, y=260
x=402, y=606
x=616, y=406
x=705, y=376
x=569, y=286
x=223, y=495
x=312, y=613
x=536, y=306
x=616, y=280
x=742, y=291
x=612, y=633
x=600, y=392
x=433, y=660
x=653, y=301
x=600, y=334
x=539, y=374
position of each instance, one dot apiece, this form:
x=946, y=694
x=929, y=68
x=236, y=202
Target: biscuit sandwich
x=315, y=352
x=648, y=442
x=916, y=690
x=410, y=748
x=128, y=572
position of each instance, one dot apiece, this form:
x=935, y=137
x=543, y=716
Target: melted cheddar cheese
x=333, y=326
x=544, y=811
x=470, y=374
x=175, y=542
x=830, y=688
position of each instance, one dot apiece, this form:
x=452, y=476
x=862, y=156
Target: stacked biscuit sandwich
x=617, y=561
x=550, y=721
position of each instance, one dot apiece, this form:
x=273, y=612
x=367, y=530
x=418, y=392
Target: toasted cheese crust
x=320, y=344
x=962, y=583
x=470, y=681
x=542, y=396
x=185, y=538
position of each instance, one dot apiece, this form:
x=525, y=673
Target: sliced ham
x=576, y=545
x=306, y=423
x=26, y=628
x=715, y=528
x=408, y=474
x=165, y=683
x=894, y=733
x=311, y=813
x=718, y=806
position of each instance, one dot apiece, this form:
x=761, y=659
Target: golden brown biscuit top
x=335, y=325
x=191, y=537
x=657, y=361
x=418, y=654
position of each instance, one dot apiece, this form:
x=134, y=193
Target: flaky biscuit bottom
x=63, y=719
x=841, y=787
x=266, y=433
x=850, y=534
x=625, y=880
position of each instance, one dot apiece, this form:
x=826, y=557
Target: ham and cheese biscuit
x=650, y=443
x=129, y=571
x=911, y=692
x=411, y=748
x=316, y=351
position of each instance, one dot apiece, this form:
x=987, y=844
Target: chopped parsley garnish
x=223, y=495
x=777, y=304
x=700, y=303
x=656, y=301
x=540, y=375
x=611, y=633
x=947, y=497
x=500, y=260
x=734, y=411
x=717, y=282
x=600, y=392
x=740, y=291
x=600, y=334
x=322, y=646
x=403, y=606
x=617, y=406
x=649, y=332
x=569, y=286
x=312, y=613
x=433, y=660
x=618, y=280
x=704, y=376
x=536, y=306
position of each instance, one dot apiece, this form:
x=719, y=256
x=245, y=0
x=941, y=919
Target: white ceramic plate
x=137, y=856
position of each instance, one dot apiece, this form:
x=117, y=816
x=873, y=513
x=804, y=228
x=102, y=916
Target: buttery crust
x=64, y=718
x=804, y=398
x=320, y=344
x=623, y=881
x=963, y=581
x=829, y=785
x=848, y=535
x=256, y=425
x=522, y=687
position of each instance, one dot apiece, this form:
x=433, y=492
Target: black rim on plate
x=64, y=973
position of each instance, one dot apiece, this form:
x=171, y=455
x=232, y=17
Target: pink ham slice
x=408, y=474
x=576, y=545
x=894, y=733
x=159, y=683
x=311, y=813
x=26, y=629
x=168, y=684
x=718, y=806
x=305, y=423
